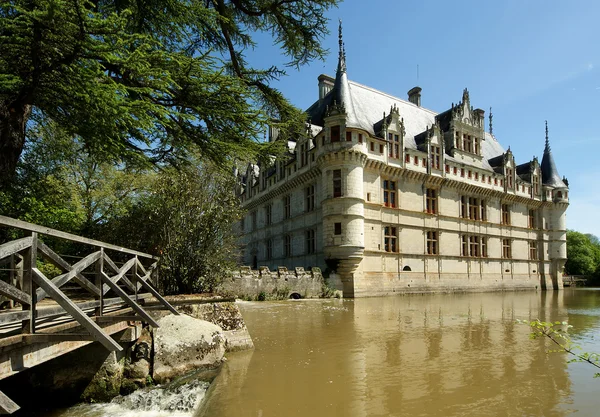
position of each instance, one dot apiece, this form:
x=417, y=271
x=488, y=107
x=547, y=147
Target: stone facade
x=282, y=283
x=393, y=198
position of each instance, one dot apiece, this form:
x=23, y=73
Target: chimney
x=414, y=96
x=325, y=85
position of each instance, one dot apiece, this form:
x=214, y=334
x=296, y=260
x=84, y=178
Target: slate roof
x=549, y=172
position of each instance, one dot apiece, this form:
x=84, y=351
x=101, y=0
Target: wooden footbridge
x=42, y=319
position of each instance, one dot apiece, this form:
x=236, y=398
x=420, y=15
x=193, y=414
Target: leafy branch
x=558, y=333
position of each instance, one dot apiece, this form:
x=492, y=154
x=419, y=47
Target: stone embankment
x=251, y=284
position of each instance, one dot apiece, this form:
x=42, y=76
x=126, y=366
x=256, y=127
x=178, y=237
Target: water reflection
x=434, y=355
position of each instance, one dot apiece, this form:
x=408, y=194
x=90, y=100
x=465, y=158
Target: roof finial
x=342, y=51
x=491, y=118
x=547, y=141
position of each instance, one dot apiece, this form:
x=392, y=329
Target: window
x=470, y=174
x=372, y=146
x=281, y=170
x=310, y=241
x=348, y=136
x=424, y=162
x=380, y=148
x=533, y=250
x=447, y=169
x=243, y=224
x=431, y=201
x=476, y=143
x=337, y=183
x=253, y=220
x=337, y=228
x=416, y=160
x=389, y=193
x=506, y=249
x=436, y=157
x=303, y=154
x=368, y=196
x=269, y=249
x=287, y=246
x=360, y=139
x=474, y=246
x=495, y=181
x=457, y=140
x=268, y=214
x=407, y=158
x=509, y=178
x=455, y=170
x=287, y=208
x=335, y=133
x=462, y=172
x=505, y=210
x=536, y=185
x=390, y=239
x=531, y=222
x=467, y=144
x=394, y=144
x=477, y=176
x=432, y=243
x=473, y=208
x=309, y=193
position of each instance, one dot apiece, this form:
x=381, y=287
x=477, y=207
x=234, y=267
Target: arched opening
x=406, y=268
x=295, y=296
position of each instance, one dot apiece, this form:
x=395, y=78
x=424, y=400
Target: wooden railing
x=131, y=282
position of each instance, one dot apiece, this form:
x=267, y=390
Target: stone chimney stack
x=414, y=95
x=325, y=85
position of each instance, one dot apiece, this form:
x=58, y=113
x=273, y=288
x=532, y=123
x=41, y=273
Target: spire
x=491, y=117
x=550, y=174
x=342, y=51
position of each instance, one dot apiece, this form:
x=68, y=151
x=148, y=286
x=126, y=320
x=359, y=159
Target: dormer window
x=536, y=185
x=436, y=157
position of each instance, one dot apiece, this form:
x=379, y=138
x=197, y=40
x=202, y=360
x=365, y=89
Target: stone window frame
x=268, y=214
x=390, y=193
x=473, y=208
x=436, y=157
x=390, y=238
x=287, y=206
x=335, y=133
x=432, y=242
x=310, y=241
x=474, y=245
x=506, y=248
x=531, y=218
x=505, y=210
x=533, y=250
x=337, y=183
x=431, y=201
x=309, y=198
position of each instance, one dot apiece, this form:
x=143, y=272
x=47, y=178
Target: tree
x=150, y=80
x=583, y=257
x=188, y=219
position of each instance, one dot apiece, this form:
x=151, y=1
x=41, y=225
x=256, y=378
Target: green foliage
x=583, y=252
x=149, y=81
x=558, y=333
x=328, y=292
x=262, y=296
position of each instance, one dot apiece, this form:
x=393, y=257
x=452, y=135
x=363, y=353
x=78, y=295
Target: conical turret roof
x=550, y=174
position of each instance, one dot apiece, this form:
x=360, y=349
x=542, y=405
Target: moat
x=430, y=355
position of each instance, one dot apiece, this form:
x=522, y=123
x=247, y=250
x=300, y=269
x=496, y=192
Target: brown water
x=439, y=355
x=436, y=355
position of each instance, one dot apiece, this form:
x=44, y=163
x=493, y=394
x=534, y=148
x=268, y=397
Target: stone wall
x=283, y=283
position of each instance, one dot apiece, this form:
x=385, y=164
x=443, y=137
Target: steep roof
x=550, y=174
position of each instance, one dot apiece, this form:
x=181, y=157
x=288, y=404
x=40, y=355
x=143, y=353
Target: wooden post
x=29, y=261
x=135, y=278
x=12, y=280
x=99, y=271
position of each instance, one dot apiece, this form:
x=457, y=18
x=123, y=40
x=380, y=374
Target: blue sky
x=530, y=60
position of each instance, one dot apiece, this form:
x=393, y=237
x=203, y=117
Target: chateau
x=391, y=197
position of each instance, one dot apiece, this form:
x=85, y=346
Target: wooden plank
x=53, y=257
x=14, y=246
x=42, y=313
x=13, y=293
x=112, y=319
x=19, y=224
x=29, y=263
x=139, y=264
x=82, y=318
x=156, y=295
x=121, y=276
x=77, y=268
x=135, y=306
x=7, y=406
x=56, y=337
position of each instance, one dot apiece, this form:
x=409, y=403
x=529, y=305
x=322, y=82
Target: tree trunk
x=13, y=119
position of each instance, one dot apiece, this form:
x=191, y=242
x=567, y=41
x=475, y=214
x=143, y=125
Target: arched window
x=406, y=268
